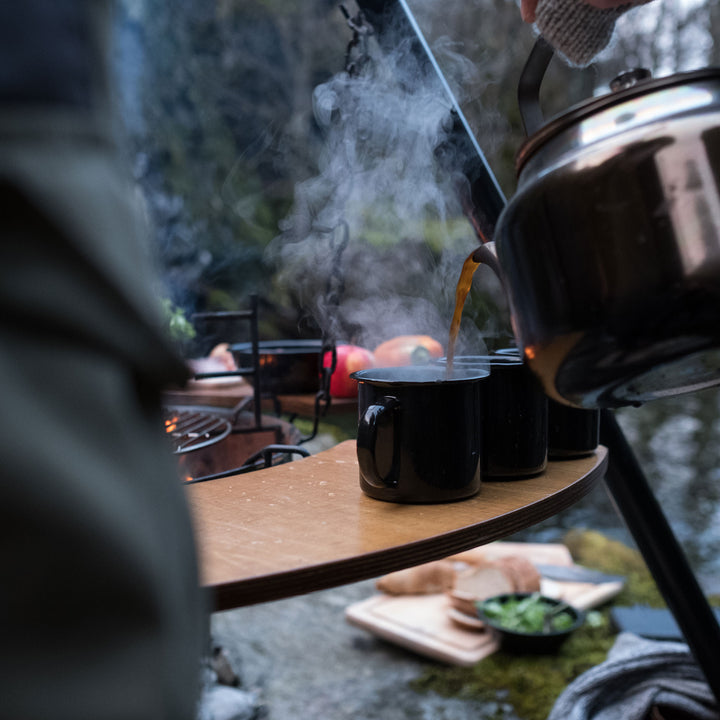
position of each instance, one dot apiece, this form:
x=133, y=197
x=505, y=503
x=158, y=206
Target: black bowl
x=518, y=641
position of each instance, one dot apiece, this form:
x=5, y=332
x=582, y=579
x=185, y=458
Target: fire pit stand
x=251, y=316
x=255, y=351
x=263, y=458
x=193, y=429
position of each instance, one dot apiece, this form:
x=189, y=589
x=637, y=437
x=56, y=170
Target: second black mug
x=515, y=417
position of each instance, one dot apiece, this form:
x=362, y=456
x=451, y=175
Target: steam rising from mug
x=380, y=190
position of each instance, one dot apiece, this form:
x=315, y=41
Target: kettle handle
x=531, y=78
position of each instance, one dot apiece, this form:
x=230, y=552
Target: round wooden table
x=306, y=525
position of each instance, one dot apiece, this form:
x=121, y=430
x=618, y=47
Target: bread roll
x=479, y=581
x=476, y=556
x=433, y=577
x=522, y=572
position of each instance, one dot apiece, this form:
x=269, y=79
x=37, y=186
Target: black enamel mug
x=419, y=433
x=572, y=432
x=515, y=420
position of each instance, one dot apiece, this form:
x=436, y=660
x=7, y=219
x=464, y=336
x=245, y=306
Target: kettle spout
x=486, y=254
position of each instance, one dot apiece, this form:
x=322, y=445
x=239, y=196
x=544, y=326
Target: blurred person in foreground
x=100, y=600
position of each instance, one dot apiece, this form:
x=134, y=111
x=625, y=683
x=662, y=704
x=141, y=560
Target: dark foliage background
x=217, y=98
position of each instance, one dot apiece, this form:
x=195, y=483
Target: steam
x=374, y=244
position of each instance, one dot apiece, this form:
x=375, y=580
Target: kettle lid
x=629, y=86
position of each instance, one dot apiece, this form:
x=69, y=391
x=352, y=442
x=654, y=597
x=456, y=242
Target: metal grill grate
x=193, y=429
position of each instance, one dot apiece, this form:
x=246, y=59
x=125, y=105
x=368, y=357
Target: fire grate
x=191, y=430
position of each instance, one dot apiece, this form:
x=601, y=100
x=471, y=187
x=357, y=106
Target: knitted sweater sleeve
x=576, y=30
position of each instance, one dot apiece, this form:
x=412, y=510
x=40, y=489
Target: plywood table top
x=306, y=525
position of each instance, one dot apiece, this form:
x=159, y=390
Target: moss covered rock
x=593, y=549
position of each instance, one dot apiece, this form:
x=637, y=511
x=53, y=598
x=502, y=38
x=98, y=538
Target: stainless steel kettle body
x=610, y=249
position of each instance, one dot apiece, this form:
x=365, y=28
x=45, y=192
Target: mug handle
x=367, y=439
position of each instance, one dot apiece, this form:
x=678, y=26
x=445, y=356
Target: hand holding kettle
x=528, y=7
x=577, y=29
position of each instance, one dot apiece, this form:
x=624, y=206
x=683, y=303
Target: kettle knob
x=629, y=78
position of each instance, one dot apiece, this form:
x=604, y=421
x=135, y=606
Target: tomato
x=350, y=358
x=407, y=350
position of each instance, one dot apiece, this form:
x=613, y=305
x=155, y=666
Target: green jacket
x=100, y=607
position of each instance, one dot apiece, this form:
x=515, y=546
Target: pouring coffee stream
x=461, y=292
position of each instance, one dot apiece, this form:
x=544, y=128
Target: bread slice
x=478, y=583
x=487, y=579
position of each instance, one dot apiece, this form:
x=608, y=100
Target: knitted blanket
x=637, y=675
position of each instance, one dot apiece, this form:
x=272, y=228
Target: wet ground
x=305, y=662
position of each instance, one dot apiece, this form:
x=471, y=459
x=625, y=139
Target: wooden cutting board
x=421, y=623
x=424, y=624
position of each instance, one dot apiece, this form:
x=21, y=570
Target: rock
x=221, y=702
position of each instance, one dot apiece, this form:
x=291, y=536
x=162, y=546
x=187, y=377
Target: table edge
x=311, y=578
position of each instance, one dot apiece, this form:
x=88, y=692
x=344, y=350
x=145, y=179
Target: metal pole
x=255, y=344
x=481, y=195
x=661, y=551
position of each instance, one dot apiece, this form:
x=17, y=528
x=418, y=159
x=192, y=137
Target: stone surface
x=305, y=662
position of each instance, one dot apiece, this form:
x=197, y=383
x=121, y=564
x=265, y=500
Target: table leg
x=661, y=551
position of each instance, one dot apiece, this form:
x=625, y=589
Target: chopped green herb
x=531, y=614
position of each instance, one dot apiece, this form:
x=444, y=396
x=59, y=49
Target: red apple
x=350, y=358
